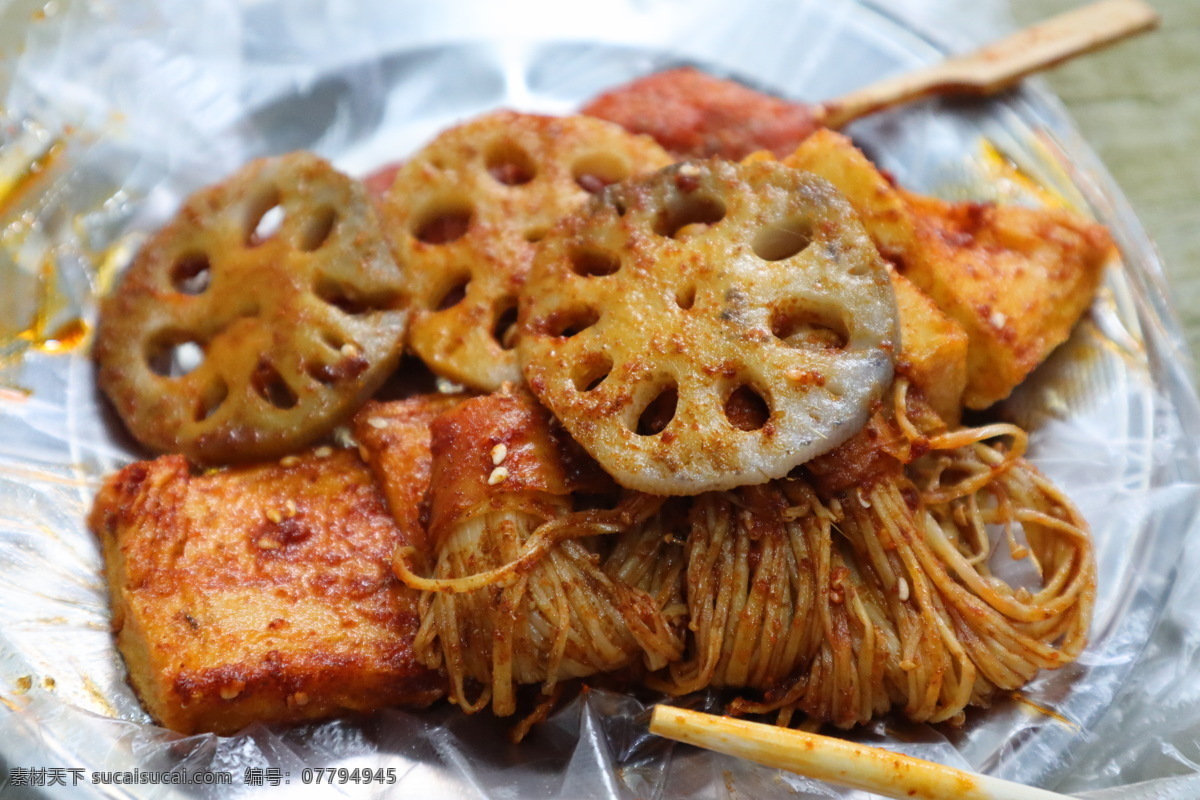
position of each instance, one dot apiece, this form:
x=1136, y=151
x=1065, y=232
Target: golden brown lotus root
x=262, y=315
x=711, y=326
x=464, y=214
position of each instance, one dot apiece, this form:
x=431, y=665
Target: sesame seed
x=289, y=461
x=903, y=590
x=324, y=451
x=291, y=508
x=350, y=351
x=343, y=437
x=377, y=423
x=499, y=453
x=230, y=692
x=997, y=319
x=908, y=665
x=499, y=474
x=274, y=515
x=691, y=170
x=267, y=543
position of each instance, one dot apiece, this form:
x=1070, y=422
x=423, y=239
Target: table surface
x=1138, y=105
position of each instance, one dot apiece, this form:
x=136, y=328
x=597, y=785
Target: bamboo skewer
x=1000, y=64
x=835, y=761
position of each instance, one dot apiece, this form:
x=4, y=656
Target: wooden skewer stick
x=1001, y=64
x=855, y=766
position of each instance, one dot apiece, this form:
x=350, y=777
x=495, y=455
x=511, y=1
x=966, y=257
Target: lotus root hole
x=509, y=164
x=174, y=357
x=316, y=229
x=210, y=399
x=591, y=371
x=685, y=296
x=333, y=340
x=350, y=300
x=799, y=327
x=191, y=274
x=264, y=216
x=689, y=214
x=453, y=294
x=271, y=386
x=659, y=412
x=746, y=409
x=568, y=323
x=321, y=372
x=595, y=171
x=780, y=240
x=505, y=329
x=589, y=262
x=349, y=363
x=443, y=223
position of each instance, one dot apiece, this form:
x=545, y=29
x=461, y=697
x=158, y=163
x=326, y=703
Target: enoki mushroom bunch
x=524, y=589
x=842, y=605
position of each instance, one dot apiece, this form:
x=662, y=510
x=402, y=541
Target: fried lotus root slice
x=280, y=284
x=711, y=326
x=464, y=215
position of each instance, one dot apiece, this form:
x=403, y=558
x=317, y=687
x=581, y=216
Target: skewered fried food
x=464, y=214
x=671, y=305
x=695, y=115
x=260, y=593
x=701, y=331
x=294, y=328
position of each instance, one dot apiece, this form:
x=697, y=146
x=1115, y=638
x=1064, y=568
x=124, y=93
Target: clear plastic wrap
x=124, y=108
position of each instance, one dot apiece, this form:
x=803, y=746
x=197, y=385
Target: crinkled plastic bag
x=124, y=108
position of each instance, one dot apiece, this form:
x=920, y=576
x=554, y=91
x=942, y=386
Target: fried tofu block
x=933, y=347
x=393, y=437
x=933, y=350
x=1015, y=279
x=883, y=210
x=258, y=594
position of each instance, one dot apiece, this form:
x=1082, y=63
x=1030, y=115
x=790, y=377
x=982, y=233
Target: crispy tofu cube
x=1015, y=279
x=883, y=210
x=258, y=594
x=393, y=438
x=933, y=350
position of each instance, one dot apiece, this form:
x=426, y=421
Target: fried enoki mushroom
x=237, y=335
x=526, y=589
x=711, y=326
x=465, y=213
x=846, y=604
